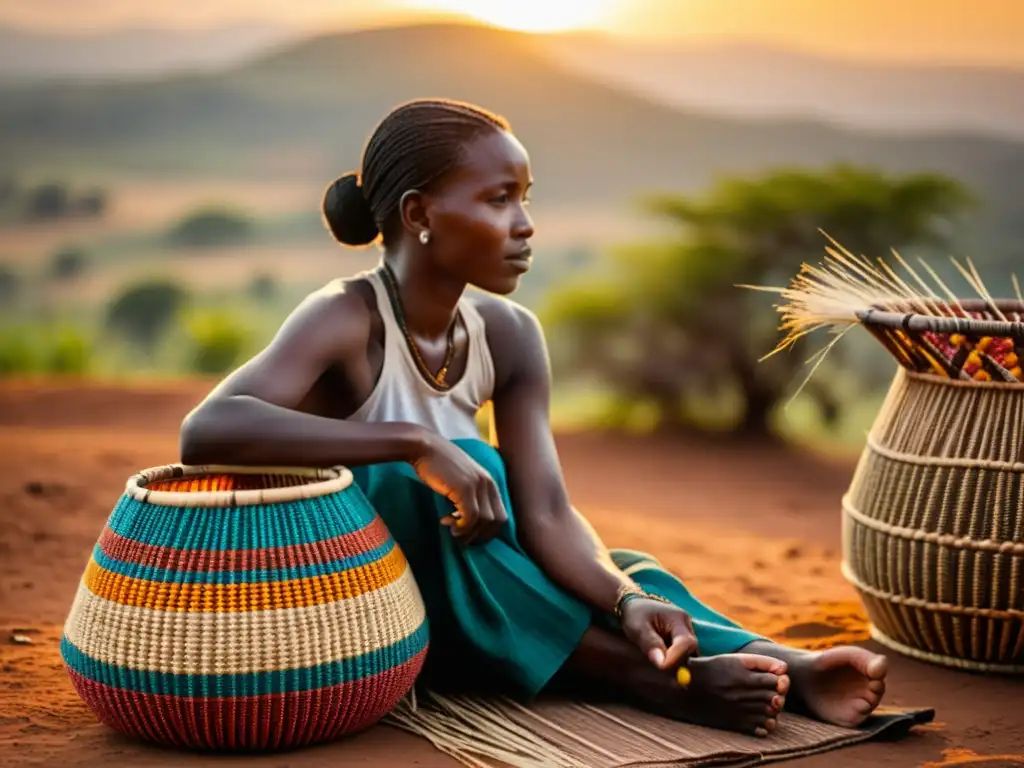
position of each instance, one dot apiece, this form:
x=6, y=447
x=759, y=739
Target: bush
x=144, y=311
x=60, y=349
x=263, y=287
x=17, y=353
x=68, y=351
x=49, y=201
x=211, y=227
x=68, y=263
x=8, y=190
x=10, y=285
x=53, y=200
x=93, y=203
x=217, y=341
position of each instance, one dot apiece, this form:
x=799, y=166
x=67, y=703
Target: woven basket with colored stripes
x=933, y=521
x=240, y=608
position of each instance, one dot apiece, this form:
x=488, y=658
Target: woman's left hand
x=663, y=632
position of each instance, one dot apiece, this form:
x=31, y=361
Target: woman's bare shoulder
x=347, y=298
x=504, y=316
x=514, y=335
x=336, y=315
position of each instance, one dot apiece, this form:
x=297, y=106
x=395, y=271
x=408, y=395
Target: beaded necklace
x=436, y=380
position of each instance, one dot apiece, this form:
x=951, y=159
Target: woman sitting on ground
x=386, y=371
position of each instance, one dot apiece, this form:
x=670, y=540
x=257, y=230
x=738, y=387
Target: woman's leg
x=841, y=685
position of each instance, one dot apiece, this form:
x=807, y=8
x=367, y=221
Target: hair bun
x=347, y=213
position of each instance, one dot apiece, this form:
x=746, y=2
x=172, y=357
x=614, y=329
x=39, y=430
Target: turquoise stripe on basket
x=249, y=527
x=252, y=684
x=149, y=573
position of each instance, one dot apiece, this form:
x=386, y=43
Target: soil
x=754, y=530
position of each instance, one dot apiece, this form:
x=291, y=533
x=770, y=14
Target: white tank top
x=401, y=392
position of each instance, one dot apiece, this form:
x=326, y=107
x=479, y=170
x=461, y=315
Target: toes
x=757, y=701
x=877, y=687
x=783, y=685
x=874, y=699
x=863, y=707
x=771, y=724
x=760, y=732
x=877, y=668
x=872, y=665
x=763, y=680
x=756, y=663
x=763, y=703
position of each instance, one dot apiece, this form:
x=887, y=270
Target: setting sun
x=525, y=15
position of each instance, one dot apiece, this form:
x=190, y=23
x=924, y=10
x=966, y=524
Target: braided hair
x=416, y=144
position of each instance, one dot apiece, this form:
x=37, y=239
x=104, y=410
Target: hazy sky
x=983, y=31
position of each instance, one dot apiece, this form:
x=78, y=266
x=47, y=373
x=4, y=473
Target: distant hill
x=129, y=54
x=306, y=108
x=742, y=80
x=751, y=81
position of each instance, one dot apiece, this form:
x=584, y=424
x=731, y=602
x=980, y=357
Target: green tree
x=143, y=312
x=211, y=227
x=669, y=324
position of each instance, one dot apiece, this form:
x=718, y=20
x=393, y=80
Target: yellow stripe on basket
x=240, y=643
x=233, y=598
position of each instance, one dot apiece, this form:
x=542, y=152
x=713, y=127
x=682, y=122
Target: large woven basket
x=239, y=608
x=933, y=521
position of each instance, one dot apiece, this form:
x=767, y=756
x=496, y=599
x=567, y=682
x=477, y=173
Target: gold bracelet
x=627, y=591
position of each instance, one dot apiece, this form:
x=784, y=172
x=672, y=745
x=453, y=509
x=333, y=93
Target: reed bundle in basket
x=241, y=608
x=933, y=521
x=925, y=326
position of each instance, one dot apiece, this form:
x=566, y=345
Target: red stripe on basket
x=260, y=722
x=204, y=560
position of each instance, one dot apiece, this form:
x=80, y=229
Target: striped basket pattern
x=240, y=608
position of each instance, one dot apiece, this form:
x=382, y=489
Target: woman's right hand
x=479, y=512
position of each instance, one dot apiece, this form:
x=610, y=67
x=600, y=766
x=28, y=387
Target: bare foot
x=737, y=692
x=841, y=685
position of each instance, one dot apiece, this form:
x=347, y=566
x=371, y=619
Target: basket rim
x=931, y=379
x=327, y=480
x=917, y=321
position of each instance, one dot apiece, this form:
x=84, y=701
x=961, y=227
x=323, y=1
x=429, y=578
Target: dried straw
x=844, y=290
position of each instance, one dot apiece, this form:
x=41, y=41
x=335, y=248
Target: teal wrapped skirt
x=497, y=621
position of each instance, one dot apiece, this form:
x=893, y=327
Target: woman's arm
x=555, y=535
x=249, y=418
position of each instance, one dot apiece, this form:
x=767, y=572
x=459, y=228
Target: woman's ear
x=414, y=213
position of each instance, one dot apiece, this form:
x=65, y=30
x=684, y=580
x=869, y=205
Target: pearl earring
x=424, y=236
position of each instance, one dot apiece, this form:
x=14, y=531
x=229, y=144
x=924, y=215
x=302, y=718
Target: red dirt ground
x=753, y=530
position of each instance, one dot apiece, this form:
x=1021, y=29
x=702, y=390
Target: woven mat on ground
x=493, y=732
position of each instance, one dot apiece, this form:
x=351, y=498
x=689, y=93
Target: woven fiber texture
x=244, y=608
x=498, y=732
x=933, y=523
